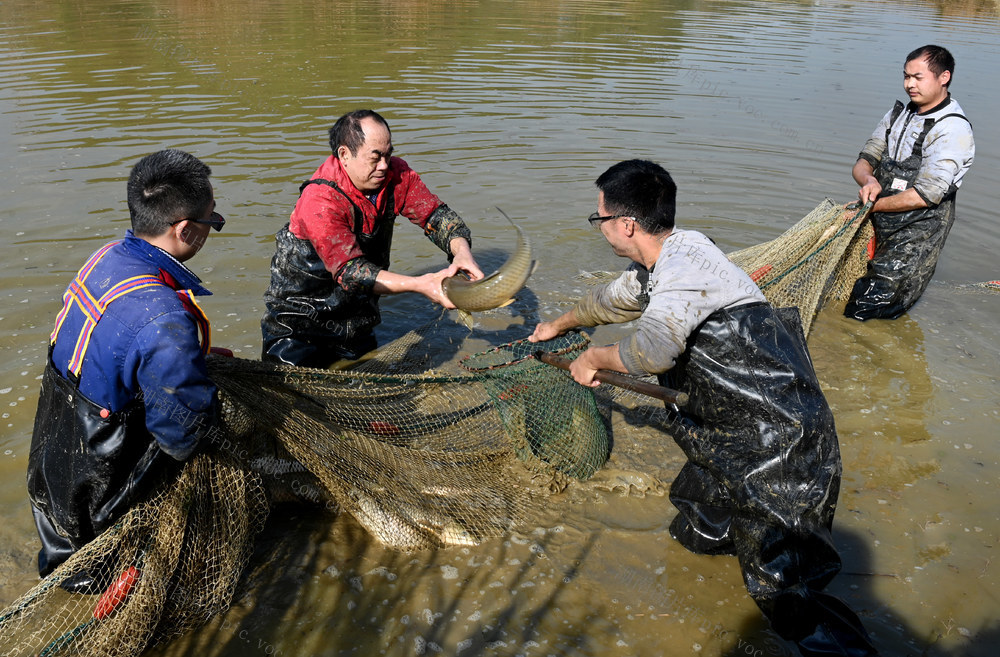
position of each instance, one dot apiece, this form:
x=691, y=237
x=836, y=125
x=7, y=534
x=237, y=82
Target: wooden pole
x=620, y=380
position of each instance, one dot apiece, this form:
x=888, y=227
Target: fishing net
x=423, y=448
x=167, y=566
x=446, y=456
x=813, y=263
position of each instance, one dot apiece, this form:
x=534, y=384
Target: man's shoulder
x=898, y=109
x=144, y=304
x=119, y=260
x=402, y=172
x=686, y=239
x=949, y=123
x=155, y=310
x=320, y=198
x=954, y=113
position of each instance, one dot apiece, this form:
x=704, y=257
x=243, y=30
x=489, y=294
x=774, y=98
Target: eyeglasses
x=596, y=219
x=215, y=220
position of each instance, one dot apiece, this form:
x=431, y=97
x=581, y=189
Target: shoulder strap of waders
x=77, y=294
x=359, y=216
x=918, y=145
x=897, y=109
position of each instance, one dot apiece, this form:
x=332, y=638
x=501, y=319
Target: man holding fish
x=763, y=466
x=331, y=260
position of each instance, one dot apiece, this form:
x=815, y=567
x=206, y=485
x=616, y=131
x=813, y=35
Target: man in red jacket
x=331, y=260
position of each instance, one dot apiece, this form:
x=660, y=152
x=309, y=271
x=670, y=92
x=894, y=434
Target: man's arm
x=871, y=189
x=555, y=328
x=908, y=200
x=864, y=175
x=871, y=154
x=180, y=399
x=585, y=367
x=446, y=229
x=429, y=285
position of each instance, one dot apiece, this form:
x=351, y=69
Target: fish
x=408, y=527
x=497, y=289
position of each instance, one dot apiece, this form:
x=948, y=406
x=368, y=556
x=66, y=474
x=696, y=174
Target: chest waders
x=88, y=466
x=312, y=321
x=907, y=244
x=763, y=469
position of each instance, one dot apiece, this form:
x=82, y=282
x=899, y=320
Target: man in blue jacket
x=125, y=396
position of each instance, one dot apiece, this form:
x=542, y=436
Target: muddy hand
x=544, y=331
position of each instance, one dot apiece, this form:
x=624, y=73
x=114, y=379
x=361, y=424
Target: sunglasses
x=215, y=220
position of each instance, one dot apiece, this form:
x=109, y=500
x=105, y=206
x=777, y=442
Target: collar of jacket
x=185, y=278
x=333, y=170
x=912, y=107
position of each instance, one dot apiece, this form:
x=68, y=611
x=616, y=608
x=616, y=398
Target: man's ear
x=945, y=77
x=179, y=232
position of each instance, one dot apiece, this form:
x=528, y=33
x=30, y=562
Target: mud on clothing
x=763, y=468
x=320, y=303
x=125, y=394
x=931, y=153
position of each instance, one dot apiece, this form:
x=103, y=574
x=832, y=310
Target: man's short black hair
x=347, y=130
x=643, y=190
x=165, y=187
x=939, y=59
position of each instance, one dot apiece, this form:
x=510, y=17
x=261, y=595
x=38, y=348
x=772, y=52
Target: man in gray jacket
x=763, y=466
x=911, y=168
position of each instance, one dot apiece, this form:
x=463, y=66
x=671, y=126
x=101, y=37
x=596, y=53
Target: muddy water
x=757, y=108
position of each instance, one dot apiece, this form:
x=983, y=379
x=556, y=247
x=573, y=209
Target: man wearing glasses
x=331, y=261
x=125, y=396
x=763, y=465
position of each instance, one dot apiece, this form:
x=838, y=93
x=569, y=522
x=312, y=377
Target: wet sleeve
x=180, y=399
x=358, y=275
x=443, y=226
x=948, y=153
x=612, y=303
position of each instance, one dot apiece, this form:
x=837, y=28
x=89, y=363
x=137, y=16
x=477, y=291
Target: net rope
x=423, y=449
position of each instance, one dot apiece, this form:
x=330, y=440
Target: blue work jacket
x=146, y=343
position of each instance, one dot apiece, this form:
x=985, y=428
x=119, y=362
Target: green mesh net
x=547, y=416
x=425, y=448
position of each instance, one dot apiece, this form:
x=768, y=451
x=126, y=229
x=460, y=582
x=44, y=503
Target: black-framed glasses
x=596, y=219
x=215, y=220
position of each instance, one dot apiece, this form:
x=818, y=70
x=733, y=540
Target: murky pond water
x=757, y=108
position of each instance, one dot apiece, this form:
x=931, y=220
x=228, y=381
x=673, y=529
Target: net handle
x=621, y=381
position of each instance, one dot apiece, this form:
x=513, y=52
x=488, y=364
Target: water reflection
x=757, y=108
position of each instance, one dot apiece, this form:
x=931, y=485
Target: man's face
x=612, y=229
x=369, y=168
x=925, y=89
